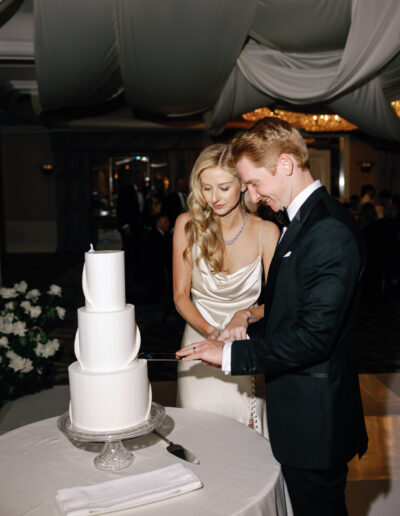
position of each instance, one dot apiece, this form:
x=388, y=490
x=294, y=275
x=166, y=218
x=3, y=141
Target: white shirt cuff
x=226, y=357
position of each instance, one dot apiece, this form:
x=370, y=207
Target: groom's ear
x=285, y=164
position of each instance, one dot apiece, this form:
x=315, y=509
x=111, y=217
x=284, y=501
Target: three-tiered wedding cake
x=109, y=385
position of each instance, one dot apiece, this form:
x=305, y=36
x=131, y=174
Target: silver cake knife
x=159, y=357
x=178, y=450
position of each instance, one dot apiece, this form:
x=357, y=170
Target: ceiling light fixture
x=309, y=122
x=396, y=106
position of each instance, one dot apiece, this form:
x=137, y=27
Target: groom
x=315, y=415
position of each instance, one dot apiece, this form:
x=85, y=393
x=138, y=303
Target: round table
x=239, y=473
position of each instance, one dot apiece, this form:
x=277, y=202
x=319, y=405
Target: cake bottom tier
x=109, y=401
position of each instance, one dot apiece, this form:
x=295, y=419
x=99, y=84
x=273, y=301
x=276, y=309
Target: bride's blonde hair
x=203, y=228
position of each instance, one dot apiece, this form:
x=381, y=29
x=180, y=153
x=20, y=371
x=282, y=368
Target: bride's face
x=220, y=189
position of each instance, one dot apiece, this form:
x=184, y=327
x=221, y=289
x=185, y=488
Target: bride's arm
x=237, y=327
x=182, y=280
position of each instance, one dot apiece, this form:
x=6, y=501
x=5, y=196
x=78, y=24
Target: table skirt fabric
x=239, y=473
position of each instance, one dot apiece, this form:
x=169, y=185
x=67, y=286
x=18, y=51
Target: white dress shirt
x=292, y=209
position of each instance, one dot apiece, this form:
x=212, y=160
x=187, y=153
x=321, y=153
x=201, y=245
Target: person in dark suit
x=157, y=253
x=306, y=350
x=175, y=202
x=132, y=214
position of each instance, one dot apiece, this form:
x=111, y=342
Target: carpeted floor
x=377, y=336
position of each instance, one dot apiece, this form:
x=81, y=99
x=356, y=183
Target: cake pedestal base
x=114, y=455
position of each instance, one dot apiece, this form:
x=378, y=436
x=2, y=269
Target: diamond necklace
x=232, y=240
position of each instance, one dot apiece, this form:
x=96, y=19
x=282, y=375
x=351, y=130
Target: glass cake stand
x=114, y=455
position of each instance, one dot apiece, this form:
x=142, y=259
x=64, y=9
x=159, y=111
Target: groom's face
x=263, y=186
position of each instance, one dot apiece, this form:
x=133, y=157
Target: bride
x=219, y=252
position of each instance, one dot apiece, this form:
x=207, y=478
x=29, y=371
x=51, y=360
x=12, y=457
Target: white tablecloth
x=239, y=473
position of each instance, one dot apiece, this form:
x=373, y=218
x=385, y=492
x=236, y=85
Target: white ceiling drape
x=346, y=80
x=76, y=52
x=223, y=57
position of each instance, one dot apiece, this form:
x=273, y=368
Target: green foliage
x=26, y=353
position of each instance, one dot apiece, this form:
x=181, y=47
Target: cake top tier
x=103, y=280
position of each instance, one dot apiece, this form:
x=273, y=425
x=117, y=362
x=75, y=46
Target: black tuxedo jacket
x=306, y=352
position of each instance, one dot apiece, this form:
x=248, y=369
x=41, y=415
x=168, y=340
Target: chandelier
x=396, y=106
x=310, y=122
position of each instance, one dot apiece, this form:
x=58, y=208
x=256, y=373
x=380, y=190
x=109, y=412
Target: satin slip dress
x=218, y=297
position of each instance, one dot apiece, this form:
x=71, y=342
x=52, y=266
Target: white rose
x=6, y=327
x=60, y=312
x=52, y=347
x=35, y=311
x=54, y=290
x=8, y=293
x=4, y=342
x=18, y=363
x=19, y=328
x=10, y=305
x=9, y=318
x=39, y=350
x=26, y=305
x=33, y=294
x=21, y=287
x=47, y=350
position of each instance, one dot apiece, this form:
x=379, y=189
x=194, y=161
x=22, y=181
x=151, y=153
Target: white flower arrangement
x=26, y=352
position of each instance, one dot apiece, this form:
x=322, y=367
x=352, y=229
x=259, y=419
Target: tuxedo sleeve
x=313, y=312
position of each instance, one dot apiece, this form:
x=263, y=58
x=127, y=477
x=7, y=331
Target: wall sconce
x=366, y=166
x=46, y=168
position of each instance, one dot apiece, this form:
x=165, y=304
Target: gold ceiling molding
x=310, y=122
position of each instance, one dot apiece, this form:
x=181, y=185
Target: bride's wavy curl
x=203, y=228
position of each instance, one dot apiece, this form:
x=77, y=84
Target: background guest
x=367, y=194
x=390, y=210
x=157, y=260
x=175, y=202
x=132, y=213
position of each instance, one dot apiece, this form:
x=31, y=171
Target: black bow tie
x=283, y=217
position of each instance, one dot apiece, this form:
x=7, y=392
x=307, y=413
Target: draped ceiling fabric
x=223, y=57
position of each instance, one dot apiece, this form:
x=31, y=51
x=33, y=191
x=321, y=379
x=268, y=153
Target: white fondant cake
x=109, y=386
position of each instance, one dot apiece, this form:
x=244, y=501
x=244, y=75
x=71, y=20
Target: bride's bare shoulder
x=269, y=231
x=265, y=226
x=182, y=219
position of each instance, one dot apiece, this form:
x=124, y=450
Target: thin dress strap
x=259, y=240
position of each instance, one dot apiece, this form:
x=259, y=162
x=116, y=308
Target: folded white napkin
x=127, y=491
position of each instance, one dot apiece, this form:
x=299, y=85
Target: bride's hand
x=237, y=327
x=212, y=334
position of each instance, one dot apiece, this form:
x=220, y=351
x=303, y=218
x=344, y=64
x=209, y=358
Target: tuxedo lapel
x=284, y=245
x=299, y=221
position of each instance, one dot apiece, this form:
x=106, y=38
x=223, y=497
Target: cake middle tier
x=106, y=341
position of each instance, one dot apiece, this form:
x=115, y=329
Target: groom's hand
x=208, y=351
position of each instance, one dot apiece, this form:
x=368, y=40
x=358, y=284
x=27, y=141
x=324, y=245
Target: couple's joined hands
x=237, y=327
x=209, y=350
